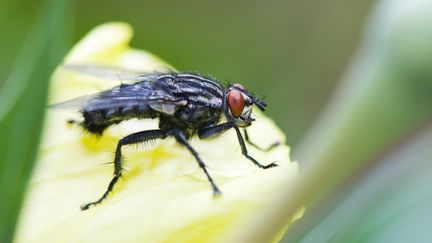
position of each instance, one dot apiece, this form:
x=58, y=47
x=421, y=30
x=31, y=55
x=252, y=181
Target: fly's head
x=238, y=105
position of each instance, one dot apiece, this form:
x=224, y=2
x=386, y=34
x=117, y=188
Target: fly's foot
x=216, y=193
x=88, y=205
x=95, y=203
x=104, y=196
x=271, y=165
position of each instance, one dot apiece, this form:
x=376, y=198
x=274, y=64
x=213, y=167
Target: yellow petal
x=164, y=196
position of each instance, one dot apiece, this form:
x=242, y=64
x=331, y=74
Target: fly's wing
x=129, y=95
x=111, y=73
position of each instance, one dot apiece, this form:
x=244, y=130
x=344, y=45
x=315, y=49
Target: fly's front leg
x=272, y=146
x=212, y=130
x=134, y=138
x=245, y=152
x=181, y=138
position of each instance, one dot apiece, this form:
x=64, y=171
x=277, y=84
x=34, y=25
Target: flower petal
x=164, y=196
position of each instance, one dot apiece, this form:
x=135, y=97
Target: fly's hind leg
x=134, y=138
x=74, y=122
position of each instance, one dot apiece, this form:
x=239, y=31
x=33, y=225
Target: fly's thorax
x=193, y=115
x=202, y=101
x=197, y=89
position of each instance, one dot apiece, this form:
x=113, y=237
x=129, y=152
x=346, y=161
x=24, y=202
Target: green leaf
x=389, y=200
x=23, y=99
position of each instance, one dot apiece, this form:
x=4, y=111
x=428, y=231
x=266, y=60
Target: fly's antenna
x=259, y=103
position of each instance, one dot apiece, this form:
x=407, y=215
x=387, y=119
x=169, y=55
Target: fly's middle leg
x=134, y=138
x=180, y=137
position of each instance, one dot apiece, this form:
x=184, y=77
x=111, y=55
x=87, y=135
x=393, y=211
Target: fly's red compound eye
x=236, y=102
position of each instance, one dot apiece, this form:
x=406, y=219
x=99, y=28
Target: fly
x=186, y=104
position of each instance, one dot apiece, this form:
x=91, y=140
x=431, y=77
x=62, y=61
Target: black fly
x=186, y=104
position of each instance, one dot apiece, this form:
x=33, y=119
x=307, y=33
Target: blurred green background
x=348, y=81
x=291, y=52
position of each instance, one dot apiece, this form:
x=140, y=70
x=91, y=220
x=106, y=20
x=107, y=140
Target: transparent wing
x=74, y=104
x=111, y=73
x=139, y=94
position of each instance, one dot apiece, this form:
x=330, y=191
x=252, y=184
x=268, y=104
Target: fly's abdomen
x=97, y=121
